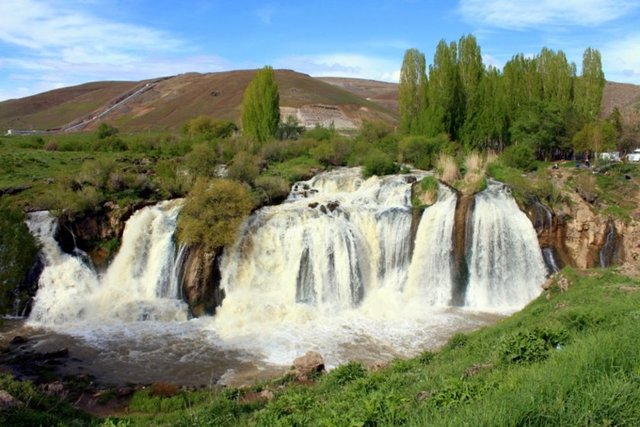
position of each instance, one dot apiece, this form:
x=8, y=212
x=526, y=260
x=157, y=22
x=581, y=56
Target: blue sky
x=47, y=44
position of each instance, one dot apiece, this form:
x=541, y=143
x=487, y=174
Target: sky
x=48, y=44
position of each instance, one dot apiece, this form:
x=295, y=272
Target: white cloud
x=58, y=43
x=521, y=14
x=47, y=27
x=343, y=65
x=621, y=59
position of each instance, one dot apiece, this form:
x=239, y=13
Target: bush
x=421, y=152
x=244, y=167
x=213, y=212
x=320, y=133
x=333, y=152
x=520, y=156
x=426, y=193
x=18, y=251
x=275, y=188
x=531, y=346
x=50, y=146
x=346, y=373
x=378, y=163
x=447, y=169
x=105, y=130
x=202, y=160
x=209, y=128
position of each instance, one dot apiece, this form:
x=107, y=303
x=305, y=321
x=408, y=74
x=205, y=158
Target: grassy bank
x=569, y=358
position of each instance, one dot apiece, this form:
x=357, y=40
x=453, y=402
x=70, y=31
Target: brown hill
x=626, y=97
x=383, y=93
x=168, y=103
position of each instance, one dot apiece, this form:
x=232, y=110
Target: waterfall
x=331, y=269
x=431, y=271
x=610, y=251
x=140, y=284
x=337, y=238
x=505, y=262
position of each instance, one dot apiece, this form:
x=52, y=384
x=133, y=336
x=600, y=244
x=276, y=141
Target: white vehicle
x=611, y=156
x=634, y=156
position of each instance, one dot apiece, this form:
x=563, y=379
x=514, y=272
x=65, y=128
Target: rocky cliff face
x=581, y=236
x=96, y=233
x=201, y=280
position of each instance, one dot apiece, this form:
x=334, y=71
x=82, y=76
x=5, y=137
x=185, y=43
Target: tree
x=590, y=85
x=470, y=67
x=213, y=213
x=444, y=113
x=105, y=130
x=412, y=91
x=261, y=106
x=595, y=137
x=540, y=125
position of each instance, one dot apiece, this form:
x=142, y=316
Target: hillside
x=627, y=98
x=383, y=93
x=167, y=103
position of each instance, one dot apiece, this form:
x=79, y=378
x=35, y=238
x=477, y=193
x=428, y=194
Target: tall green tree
x=445, y=110
x=590, y=85
x=412, y=93
x=261, y=106
x=470, y=67
x=557, y=76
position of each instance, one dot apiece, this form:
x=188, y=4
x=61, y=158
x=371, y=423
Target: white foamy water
x=329, y=270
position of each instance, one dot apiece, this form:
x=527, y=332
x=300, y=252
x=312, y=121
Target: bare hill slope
x=169, y=102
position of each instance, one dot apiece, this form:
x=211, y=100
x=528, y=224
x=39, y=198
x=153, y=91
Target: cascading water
x=431, y=273
x=138, y=285
x=506, y=266
x=330, y=269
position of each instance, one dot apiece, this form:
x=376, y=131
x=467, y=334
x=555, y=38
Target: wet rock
x=410, y=179
x=54, y=389
x=323, y=209
x=308, y=365
x=313, y=205
x=332, y=206
x=7, y=401
x=201, y=280
x=18, y=340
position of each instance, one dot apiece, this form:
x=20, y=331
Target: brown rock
x=7, y=401
x=304, y=366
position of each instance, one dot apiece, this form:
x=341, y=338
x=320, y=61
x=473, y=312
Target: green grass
x=568, y=358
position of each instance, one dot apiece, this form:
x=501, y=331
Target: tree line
x=539, y=102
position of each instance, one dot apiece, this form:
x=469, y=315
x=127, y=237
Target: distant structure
x=13, y=132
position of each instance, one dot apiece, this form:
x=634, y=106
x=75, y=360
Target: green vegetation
x=18, y=251
x=425, y=193
x=261, y=106
x=37, y=408
x=213, y=213
x=539, y=102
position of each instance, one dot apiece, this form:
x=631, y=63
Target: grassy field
x=569, y=358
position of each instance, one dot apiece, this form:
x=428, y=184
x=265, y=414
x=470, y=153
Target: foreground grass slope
x=569, y=358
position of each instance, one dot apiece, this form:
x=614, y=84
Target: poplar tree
x=590, y=85
x=261, y=106
x=412, y=92
x=445, y=93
